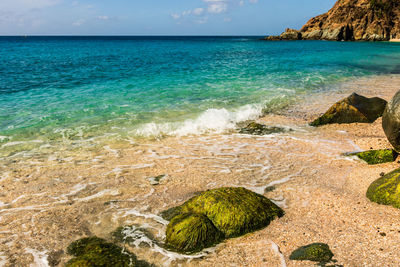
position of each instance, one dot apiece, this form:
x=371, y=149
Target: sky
x=156, y=17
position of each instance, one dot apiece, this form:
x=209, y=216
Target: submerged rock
x=97, y=252
x=386, y=190
x=191, y=233
x=376, y=156
x=260, y=129
x=318, y=252
x=355, y=108
x=233, y=211
x=391, y=121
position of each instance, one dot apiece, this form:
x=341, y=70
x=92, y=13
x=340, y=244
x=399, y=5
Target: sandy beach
x=49, y=201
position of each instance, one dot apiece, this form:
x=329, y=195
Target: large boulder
x=191, y=233
x=391, y=121
x=355, y=108
x=233, y=211
x=386, y=190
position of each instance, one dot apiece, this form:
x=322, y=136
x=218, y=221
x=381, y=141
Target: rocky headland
x=351, y=20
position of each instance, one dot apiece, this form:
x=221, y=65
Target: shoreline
x=50, y=202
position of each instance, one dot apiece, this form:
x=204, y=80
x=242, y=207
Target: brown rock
x=348, y=20
x=355, y=108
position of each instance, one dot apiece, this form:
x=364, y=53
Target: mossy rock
x=191, y=233
x=386, y=190
x=171, y=213
x=97, y=252
x=355, y=108
x=234, y=210
x=318, y=252
x=376, y=156
x=260, y=129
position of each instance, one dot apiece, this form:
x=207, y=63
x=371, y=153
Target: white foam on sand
x=211, y=120
x=39, y=258
x=138, y=237
x=106, y=192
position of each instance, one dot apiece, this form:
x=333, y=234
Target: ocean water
x=63, y=90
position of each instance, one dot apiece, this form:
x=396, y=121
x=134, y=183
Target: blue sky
x=156, y=17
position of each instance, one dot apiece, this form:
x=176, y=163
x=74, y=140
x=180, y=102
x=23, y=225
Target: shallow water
x=82, y=170
x=76, y=90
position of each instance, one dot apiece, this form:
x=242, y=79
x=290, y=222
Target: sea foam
x=210, y=121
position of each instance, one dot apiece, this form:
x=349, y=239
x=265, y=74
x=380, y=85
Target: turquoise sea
x=67, y=89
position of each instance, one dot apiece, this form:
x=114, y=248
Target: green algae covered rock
x=376, y=156
x=191, y=233
x=234, y=210
x=260, y=129
x=97, y=252
x=171, y=213
x=355, y=108
x=386, y=190
x=318, y=252
x=213, y=215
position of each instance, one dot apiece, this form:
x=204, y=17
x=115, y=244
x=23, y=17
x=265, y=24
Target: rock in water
x=233, y=211
x=391, y=121
x=191, y=233
x=386, y=190
x=94, y=251
x=373, y=157
x=318, y=252
x=260, y=129
x=355, y=108
x=289, y=34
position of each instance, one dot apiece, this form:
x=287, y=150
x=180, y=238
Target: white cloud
x=253, y=1
x=103, y=17
x=216, y=6
x=79, y=22
x=175, y=16
x=198, y=11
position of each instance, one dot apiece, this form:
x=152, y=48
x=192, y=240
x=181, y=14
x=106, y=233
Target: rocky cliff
x=351, y=20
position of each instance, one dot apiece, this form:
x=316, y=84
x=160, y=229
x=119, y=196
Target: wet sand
x=46, y=202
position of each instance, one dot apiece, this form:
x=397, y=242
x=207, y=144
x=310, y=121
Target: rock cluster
x=351, y=20
x=216, y=214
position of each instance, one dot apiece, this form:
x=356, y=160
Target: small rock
x=373, y=157
x=260, y=129
x=318, y=252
